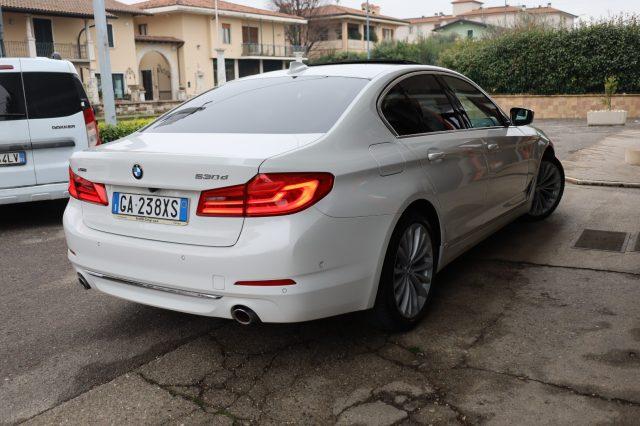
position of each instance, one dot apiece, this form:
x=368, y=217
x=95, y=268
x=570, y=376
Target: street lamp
x=368, y=33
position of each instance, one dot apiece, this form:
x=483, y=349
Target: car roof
x=44, y=64
x=355, y=70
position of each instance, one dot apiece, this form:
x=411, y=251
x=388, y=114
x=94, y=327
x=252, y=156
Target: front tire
x=407, y=275
x=548, y=190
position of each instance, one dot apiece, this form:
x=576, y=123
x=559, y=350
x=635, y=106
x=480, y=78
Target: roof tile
x=208, y=4
x=83, y=8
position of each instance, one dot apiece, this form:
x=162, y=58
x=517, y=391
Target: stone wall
x=147, y=108
x=567, y=106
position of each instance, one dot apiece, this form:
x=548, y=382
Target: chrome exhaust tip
x=243, y=315
x=83, y=282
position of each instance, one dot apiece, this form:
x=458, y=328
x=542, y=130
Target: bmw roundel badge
x=137, y=171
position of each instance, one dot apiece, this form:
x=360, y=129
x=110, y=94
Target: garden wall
x=567, y=106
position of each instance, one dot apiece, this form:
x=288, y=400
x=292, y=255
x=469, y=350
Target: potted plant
x=608, y=116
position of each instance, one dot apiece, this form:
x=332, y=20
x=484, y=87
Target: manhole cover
x=602, y=240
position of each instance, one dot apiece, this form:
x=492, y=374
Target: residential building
x=464, y=28
x=41, y=27
x=343, y=29
x=177, y=44
x=467, y=11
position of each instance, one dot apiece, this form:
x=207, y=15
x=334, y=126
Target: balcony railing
x=255, y=49
x=16, y=49
x=69, y=51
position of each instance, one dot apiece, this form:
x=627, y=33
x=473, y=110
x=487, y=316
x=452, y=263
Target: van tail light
x=267, y=194
x=93, y=134
x=84, y=190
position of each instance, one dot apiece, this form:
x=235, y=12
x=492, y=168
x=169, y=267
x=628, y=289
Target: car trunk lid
x=180, y=166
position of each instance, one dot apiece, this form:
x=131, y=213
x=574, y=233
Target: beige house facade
x=496, y=17
x=338, y=28
x=178, y=43
x=35, y=28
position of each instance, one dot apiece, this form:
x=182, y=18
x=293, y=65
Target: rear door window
x=51, y=94
x=12, y=105
x=480, y=110
x=278, y=105
x=418, y=105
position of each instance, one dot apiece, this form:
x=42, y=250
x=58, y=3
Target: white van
x=45, y=116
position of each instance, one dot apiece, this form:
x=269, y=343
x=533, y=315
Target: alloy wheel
x=413, y=269
x=548, y=189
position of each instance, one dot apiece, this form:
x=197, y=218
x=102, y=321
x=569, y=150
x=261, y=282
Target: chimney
x=464, y=6
x=373, y=9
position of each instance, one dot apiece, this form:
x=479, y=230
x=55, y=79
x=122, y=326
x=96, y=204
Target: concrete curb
x=612, y=184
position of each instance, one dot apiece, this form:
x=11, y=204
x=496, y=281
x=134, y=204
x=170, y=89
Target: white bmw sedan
x=307, y=193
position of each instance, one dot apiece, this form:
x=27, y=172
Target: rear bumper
x=334, y=262
x=27, y=194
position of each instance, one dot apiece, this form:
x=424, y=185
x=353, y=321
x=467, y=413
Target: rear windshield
x=279, y=105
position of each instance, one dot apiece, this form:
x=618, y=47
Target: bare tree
x=302, y=35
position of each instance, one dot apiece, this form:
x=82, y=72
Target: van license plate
x=13, y=158
x=150, y=208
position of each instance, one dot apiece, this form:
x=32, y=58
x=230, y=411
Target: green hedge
x=123, y=128
x=424, y=51
x=548, y=61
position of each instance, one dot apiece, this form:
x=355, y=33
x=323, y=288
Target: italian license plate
x=150, y=208
x=13, y=158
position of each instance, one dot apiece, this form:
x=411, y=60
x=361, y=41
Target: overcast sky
x=414, y=8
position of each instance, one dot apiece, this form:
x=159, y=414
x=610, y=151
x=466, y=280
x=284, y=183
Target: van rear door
x=56, y=122
x=16, y=158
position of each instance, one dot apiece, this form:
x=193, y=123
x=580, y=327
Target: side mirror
x=521, y=116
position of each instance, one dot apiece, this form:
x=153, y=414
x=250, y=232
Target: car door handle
x=435, y=157
x=493, y=146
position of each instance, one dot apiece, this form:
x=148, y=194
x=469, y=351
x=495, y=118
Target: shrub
x=540, y=60
x=610, y=89
x=109, y=133
x=425, y=51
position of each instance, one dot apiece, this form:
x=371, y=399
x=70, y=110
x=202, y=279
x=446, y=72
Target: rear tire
x=407, y=275
x=548, y=190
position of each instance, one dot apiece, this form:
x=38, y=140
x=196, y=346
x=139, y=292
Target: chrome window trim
x=149, y=286
x=410, y=74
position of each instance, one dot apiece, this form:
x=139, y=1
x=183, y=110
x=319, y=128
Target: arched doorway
x=159, y=57
x=155, y=76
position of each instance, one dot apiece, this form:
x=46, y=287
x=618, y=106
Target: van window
x=11, y=97
x=51, y=94
x=418, y=105
x=278, y=105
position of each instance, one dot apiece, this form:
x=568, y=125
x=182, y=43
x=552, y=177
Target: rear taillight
x=84, y=190
x=267, y=194
x=93, y=134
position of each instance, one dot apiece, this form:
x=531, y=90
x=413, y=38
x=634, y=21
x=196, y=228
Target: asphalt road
x=523, y=328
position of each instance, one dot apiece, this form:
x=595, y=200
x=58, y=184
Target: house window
x=118, y=85
x=323, y=34
x=110, y=34
x=353, y=31
x=469, y=33
x=226, y=33
x=142, y=29
x=387, y=34
x=250, y=35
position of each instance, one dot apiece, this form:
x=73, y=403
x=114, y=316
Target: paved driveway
x=523, y=329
